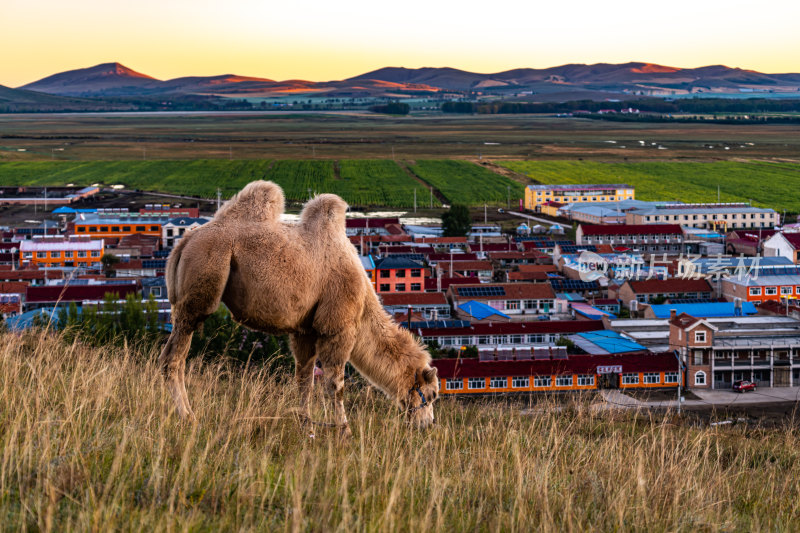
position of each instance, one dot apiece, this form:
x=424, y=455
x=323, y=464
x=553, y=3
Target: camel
x=304, y=280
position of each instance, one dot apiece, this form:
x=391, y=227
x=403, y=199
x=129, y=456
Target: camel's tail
x=259, y=201
x=171, y=274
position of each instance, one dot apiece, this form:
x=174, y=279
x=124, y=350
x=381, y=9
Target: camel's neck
x=385, y=354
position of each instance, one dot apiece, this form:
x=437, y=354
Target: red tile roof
x=494, y=247
x=671, y=285
x=75, y=293
x=537, y=268
x=510, y=256
x=465, y=265
x=631, y=229
x=431, y=283
x=370, y=222
x=576, y=364
x=413, y=298
x=456, y=257
x=13, y=287
x=528, y=276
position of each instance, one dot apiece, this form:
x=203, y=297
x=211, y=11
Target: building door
x=780, y=377
x=608, y=381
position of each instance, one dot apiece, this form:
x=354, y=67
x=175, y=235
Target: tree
x=456, y=222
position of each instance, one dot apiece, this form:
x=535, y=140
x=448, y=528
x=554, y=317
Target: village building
x=720, y=217
x=535, y=195
x=399, y=275
x=62, y=252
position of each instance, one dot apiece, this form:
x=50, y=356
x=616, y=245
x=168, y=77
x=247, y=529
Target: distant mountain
x=637, y=78
x=107, y=79
x=566, y=82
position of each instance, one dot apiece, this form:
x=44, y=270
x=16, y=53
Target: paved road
x=717, y=398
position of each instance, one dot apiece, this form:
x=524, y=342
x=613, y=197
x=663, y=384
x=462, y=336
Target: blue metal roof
x=610, y=341
x=704, y=310
x=480, y=310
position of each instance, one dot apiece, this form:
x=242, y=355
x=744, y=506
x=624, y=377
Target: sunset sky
x=323, y=40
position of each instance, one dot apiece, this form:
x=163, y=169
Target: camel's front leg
x=333, y=352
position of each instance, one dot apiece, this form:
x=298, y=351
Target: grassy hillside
x=766, y=184
x=88, y=442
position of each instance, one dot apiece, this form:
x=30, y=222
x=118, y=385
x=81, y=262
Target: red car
x=744, y=386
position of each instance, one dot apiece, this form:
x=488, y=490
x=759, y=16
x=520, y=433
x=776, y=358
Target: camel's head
x=419, y=400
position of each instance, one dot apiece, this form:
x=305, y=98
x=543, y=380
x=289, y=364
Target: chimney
x=672, y=314
x=409, y=318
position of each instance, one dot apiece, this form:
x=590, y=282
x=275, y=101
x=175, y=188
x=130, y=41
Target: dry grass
x=88, y=442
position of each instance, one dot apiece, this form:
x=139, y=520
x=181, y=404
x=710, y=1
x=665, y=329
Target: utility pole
x=718, y=198
x=431, y=197
x=313, y=151
x=485, y=219
x=415, y=199
x=144, y=153
x=219, y=197
x=508, y=197
x=230, y=153
x=680, y=376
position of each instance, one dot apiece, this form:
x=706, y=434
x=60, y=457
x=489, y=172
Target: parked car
x=744, y=386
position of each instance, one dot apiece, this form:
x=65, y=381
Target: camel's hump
x=259, y=201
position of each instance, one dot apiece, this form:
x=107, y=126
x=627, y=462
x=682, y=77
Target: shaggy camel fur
x=301, y=279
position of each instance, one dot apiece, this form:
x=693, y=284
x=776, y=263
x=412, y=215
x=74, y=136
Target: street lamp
x=680, y=373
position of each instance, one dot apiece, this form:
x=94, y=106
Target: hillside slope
x=89, y=443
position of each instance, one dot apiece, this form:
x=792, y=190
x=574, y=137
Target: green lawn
x=772, y=185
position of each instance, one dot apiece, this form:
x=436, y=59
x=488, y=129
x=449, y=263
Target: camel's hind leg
x=173, y=364
x=304, y=359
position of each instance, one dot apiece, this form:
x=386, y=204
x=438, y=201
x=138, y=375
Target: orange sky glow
x=317, y=40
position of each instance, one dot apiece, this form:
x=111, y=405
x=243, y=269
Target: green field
x=467, y=183
x=359, y=182
x=774, y=185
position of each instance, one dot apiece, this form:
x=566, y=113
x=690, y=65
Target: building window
x=416, y=272
x=80, y=229
x=770, y=291
x=755, y=291
x=520, y=382
x=531, y=304
x=454, y=384
x=585, y=380
x=169, y=232
x=700, y=378
x=126, y=229
x=400, y=287
x=542, y=381
x=384, y=287
x=416, y=287
x=786, y=290
x=670, y=377
x=153, y=228
x=515, y=339
x=385, y=273
x=651, y=378
x=699, y=336
x=563, y=381
x=536, y=339
x=498, y=383
x=512, y=304
x=400, y=273
x=483, y=339
x=630, y=379
x=115, y=229
x=476, y=383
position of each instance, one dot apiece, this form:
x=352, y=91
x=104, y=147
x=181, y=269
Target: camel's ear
x=418, y=378
x=429, y=375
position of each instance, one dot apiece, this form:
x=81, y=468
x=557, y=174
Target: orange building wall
x=117, y=230
x=45, y=258
x=574, y=387
x=393, y=279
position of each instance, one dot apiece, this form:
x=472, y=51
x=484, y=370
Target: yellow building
x=536, y=195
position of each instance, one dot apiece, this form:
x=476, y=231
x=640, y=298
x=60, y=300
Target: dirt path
x=436, y=192
x=503, y=171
